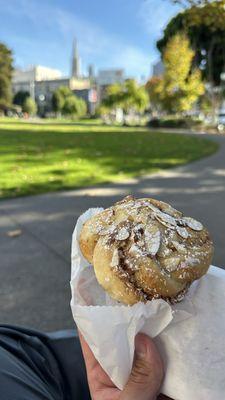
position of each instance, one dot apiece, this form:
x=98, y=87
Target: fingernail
x=140, y=347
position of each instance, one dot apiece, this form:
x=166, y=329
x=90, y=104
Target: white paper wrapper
x=190, y=335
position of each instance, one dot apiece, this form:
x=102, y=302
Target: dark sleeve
x=35, y=366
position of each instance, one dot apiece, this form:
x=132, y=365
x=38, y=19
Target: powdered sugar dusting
x=155, y=235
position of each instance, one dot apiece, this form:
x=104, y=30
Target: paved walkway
x=35, y=266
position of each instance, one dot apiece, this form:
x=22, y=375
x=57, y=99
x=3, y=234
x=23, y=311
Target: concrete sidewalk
x=35, y=265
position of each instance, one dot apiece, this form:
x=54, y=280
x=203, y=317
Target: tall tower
x=75, y=61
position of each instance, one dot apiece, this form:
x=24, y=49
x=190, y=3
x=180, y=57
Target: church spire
x=75, y=61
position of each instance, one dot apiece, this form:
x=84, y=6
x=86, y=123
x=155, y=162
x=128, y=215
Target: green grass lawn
x=49, y=156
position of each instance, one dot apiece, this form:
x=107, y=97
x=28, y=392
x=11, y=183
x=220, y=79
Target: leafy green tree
x=66, y=103
x=198, y=3
x=64, y=91
x=128, y=96
x=205, y=27
x=20, y=97
x=153, y=87
x=57, y=102
x=74, y=107
x=29, y=106
x=6, y=68
x=58, y=98
x=82, y=107
x=135, y=97
x=114, y=96
x=181, y=86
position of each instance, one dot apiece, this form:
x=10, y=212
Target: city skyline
x=118, y=35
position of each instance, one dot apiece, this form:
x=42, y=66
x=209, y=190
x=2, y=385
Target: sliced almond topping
x=152, y=240
x=193, y=224
x=178, y=246
x=107, y=230
x=125, y=200
x=115, y=258
x=134, y=250
x=171, y=264
x=182, y=232
x=122, y=234
x=166, y=219
x=153, y=208
x=164, y=250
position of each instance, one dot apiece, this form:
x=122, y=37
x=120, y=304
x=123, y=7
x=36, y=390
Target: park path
x=35, y=265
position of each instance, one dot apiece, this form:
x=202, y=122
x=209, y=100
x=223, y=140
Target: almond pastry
x=143, y=249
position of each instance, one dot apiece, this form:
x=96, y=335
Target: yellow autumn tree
x=180, y=86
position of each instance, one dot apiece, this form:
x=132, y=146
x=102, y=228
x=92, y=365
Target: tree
x=6, y=68
x=197, y=3
x=73, y=106
x=205, y=27
x=20, y=97
x=127, y=96
x=114, y=96
x=66, y=103
x=58, y=98
x=181, y=86
x=153, y=87
x=135, y=97
x=57, y=101
x=29, y=106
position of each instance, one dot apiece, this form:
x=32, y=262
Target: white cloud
x=104, y=48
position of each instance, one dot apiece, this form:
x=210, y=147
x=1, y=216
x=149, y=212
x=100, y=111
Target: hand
x=145, y=378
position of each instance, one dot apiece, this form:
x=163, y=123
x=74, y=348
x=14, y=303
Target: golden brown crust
x=90, y=233
x=143, y=249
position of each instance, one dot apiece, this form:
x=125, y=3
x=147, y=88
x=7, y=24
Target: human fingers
x=147, y=372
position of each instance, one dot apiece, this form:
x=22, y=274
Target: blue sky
x=110, y=33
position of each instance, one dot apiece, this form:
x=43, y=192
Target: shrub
x=185, y=122
x=29, y=106
x=74, y=106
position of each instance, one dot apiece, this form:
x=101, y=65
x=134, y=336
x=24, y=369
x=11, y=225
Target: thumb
x=147, y=372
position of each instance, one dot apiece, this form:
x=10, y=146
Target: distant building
x=158, y=68
x=91, y=72
x=41, y=82
x=45, y=89
x=24, y=79
x=108, y=77
x=36, y=73
x=76, y=62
